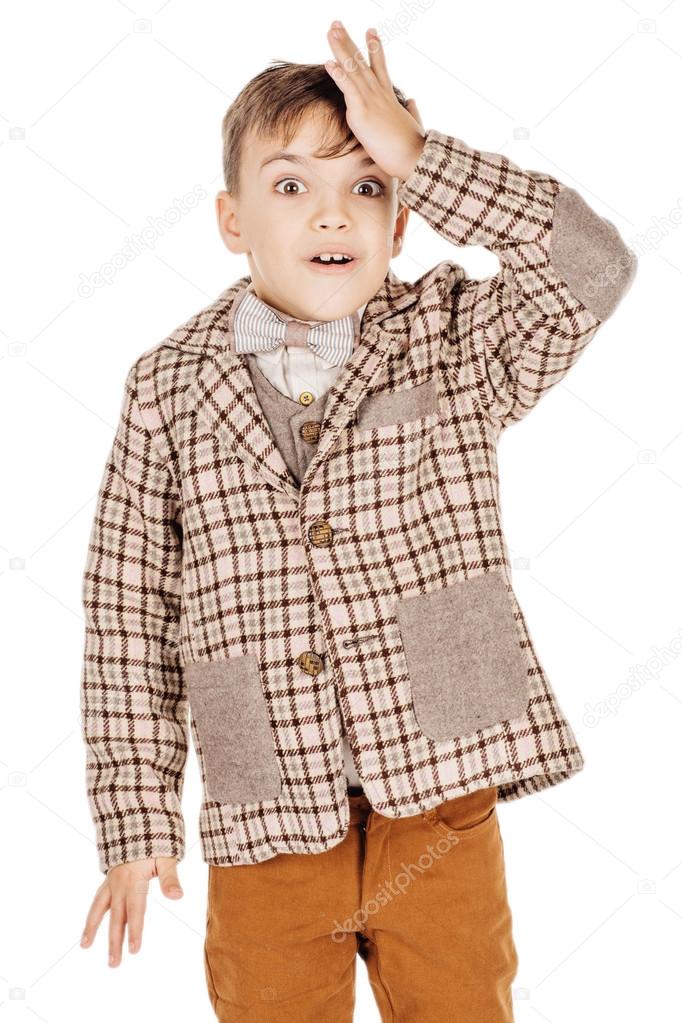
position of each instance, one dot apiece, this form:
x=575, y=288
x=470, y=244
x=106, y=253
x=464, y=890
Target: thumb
x=167, y=873
x=413, y=109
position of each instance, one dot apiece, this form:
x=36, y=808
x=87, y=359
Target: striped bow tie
x=257, y=327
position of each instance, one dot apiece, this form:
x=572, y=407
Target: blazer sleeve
x=133, y=707
x=563, y=271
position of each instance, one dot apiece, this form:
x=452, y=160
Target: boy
x=298, y=536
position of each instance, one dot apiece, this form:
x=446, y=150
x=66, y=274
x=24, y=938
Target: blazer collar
x=224, y=396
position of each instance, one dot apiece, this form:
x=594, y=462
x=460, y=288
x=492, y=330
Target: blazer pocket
x=465, y=664
x=388, y=408
x=228, y=705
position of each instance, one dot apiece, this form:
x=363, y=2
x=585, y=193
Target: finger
x=167, y=871
x=352, y=57
x=377, y=58
x=100, y=905
x=347, y=85
x=117, y=922
x=347, y=54
x=136, y=904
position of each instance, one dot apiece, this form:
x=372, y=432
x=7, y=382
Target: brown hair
x=273, y=104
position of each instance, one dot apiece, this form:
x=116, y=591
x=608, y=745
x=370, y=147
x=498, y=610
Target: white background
x=105, y=120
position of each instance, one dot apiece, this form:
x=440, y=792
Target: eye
x=284, y=181
x=371, y=181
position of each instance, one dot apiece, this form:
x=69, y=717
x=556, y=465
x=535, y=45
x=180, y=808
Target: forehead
x=266, y=153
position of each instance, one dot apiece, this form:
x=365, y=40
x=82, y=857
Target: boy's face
x=292, y=209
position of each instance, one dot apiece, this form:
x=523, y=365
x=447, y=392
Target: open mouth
x=332, y=262
x=332, y=259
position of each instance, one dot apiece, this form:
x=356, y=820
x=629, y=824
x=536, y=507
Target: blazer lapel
x=224, y=396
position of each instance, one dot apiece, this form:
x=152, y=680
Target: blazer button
x=310, y=662
x=306, y=398
x=320, y=533
x=310, y=432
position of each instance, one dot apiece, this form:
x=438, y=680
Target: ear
x=228, y=223
x=399, y=230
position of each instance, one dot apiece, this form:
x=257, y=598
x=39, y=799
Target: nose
x=331, y=213
x=331, y=222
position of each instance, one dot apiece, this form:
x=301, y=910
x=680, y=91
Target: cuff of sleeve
x=438, y=150
x=114, y=849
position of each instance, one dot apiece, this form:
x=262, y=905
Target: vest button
x=310, y=662
x=310, y=432
x=306, y=398
x=320, y=533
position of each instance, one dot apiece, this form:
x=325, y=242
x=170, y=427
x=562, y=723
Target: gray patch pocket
x=228, y=705
x=387, y=408
x=462, y=647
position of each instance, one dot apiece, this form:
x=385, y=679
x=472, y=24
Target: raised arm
x=564, y=269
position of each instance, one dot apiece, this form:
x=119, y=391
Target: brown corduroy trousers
x=421, y=899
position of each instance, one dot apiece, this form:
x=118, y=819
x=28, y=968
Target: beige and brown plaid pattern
x=204, y=548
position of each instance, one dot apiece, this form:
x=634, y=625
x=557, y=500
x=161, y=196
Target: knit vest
x=296, y=429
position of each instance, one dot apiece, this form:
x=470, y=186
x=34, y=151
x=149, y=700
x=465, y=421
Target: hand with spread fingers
x=123, y=894
x=390, y=134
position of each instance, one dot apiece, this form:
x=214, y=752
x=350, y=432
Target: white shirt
x=293, y=369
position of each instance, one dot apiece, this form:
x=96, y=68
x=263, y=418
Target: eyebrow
x=282, y=154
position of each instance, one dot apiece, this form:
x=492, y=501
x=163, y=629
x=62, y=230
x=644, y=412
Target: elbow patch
x=589, y=254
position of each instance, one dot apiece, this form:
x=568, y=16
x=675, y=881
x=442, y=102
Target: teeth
x=332, y=257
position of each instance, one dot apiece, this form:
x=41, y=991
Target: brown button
x=310, y=662
x=310, y=431
x=306, y=398
x=320, y=533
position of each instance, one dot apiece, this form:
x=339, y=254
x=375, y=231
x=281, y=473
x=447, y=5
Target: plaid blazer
x=379, y=589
